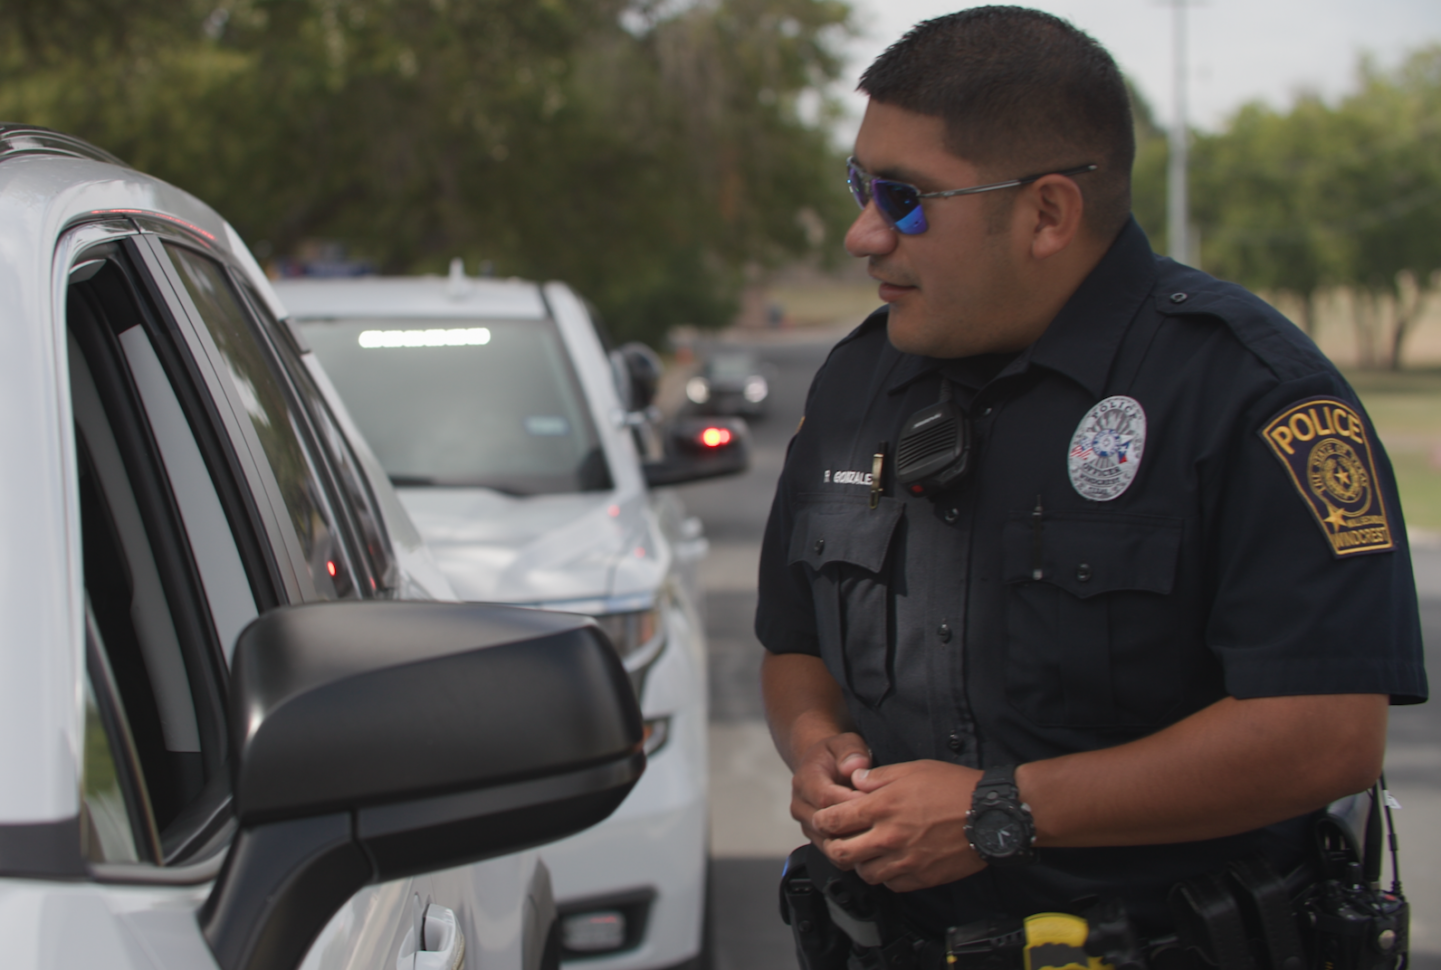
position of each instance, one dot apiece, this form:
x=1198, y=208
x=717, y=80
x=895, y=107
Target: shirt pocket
x=845, y=548
x=1092, y=636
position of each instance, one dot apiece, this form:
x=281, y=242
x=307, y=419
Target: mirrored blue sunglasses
x=899, y=203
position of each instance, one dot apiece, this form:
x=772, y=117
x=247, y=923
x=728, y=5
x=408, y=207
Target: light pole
x=1178, y=222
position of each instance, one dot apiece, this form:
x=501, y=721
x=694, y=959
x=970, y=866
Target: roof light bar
x=454, y=337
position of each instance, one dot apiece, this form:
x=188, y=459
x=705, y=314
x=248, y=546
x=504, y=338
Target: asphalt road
x=751, y=828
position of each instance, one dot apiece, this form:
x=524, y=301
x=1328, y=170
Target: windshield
x=732, y=367
x=490, y=403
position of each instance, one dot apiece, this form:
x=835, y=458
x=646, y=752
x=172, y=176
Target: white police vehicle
x=227, y=738
x=524, y=450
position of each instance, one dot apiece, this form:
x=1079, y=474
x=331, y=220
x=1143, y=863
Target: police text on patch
x=1323, y=445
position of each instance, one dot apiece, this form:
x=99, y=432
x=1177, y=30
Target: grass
x=1406, y=410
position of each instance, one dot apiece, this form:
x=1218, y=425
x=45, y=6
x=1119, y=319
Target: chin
x=910, y=333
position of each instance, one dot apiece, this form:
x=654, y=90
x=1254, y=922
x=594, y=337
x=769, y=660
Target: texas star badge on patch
x=1324, y=446
x=1106, y=448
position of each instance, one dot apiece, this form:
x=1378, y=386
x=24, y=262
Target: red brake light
x=715, y=437
x=330, y=568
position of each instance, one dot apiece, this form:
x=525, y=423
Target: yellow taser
x=1056, y=941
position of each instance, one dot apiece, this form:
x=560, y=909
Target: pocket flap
x=852, y=532
x=1086, y=553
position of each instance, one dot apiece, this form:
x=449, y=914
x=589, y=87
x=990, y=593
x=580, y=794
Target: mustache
x=881, y=273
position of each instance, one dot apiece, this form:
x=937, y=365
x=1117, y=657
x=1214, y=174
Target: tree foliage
x=646, y=152
x=1345, y=195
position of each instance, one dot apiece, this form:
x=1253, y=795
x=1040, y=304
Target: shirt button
x=954, y=742
x=820, y=545
x=1178, y=298
x=952, y=515
x=944, y=632
x=1083, y=573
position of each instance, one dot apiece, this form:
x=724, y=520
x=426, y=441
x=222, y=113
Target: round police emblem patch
x=1106, y=448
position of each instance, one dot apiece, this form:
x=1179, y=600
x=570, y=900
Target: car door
x=206, y=497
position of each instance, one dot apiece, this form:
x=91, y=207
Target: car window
x=356, y=501
x=117, y=822
x=492, y=403
x=731, y=367
x=227, y=588
x=107, y=832
x=276, y=426
x=163, y=581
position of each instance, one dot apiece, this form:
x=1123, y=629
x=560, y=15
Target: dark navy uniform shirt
x=1173, y=497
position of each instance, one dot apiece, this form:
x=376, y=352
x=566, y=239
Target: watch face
x=998, y=834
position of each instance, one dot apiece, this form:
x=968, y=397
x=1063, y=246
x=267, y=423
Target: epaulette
x=1262, y=329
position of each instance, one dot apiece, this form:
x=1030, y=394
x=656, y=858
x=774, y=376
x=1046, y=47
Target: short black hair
x=1022, y=93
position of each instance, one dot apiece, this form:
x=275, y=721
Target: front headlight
x=698, y=390
x=631, y=633
x=756, y=389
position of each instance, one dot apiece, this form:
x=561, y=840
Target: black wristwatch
x=999, y=825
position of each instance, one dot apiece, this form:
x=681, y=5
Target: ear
x=1056, y=207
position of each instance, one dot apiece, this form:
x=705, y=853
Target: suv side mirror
x=643, y=368
x=699, y=448
x=380, y=739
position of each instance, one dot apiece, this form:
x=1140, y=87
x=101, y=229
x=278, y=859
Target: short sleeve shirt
x=1172, y=497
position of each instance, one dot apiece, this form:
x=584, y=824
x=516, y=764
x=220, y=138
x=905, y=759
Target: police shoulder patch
x=1325, y=448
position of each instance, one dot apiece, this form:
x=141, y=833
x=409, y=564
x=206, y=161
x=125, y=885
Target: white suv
x=226, y=738
x=519, y=445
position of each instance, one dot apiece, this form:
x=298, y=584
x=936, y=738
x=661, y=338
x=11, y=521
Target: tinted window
x=264, y=398
x=355, y=496
x=108, y=831
x=157, y=546
x=486, y=402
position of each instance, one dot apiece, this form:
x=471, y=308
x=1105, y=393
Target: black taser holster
x=1333, y=915
x=842, y=923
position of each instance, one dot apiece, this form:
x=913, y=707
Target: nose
x=869, y=235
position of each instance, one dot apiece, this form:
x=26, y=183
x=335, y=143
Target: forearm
x=803, y=704
x=1232, y=767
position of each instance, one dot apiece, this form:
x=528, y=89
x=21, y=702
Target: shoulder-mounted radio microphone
x=934, y=450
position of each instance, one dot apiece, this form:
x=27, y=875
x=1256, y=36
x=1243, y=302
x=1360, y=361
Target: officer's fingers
x=887, y=871
x=899, y=870
x=845, y=818
x=818, y=791
x=850, y=753
x=801, y=810
x=872, y=779
x=819, y=767
x=836, y=795
x=861, y=852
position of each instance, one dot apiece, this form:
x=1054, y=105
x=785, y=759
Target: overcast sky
x=1240, y=50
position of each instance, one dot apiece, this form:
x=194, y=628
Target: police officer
x=1151, y=619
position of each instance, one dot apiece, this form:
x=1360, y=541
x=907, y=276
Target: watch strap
x=1000, y=779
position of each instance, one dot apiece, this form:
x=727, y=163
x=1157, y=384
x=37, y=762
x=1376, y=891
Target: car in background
x=233, y=734
x=731, y=380
x=525, y=450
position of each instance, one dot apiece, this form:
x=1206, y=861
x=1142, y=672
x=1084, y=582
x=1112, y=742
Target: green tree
x=1263, y=205
x=1391, y=190
x=645, y=156
x=1346, y=195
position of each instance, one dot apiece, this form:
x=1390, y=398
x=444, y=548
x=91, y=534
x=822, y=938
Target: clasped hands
x=899, y=825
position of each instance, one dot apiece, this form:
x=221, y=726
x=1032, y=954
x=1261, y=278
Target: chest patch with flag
x=1106, y=448
x=1325, y=448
